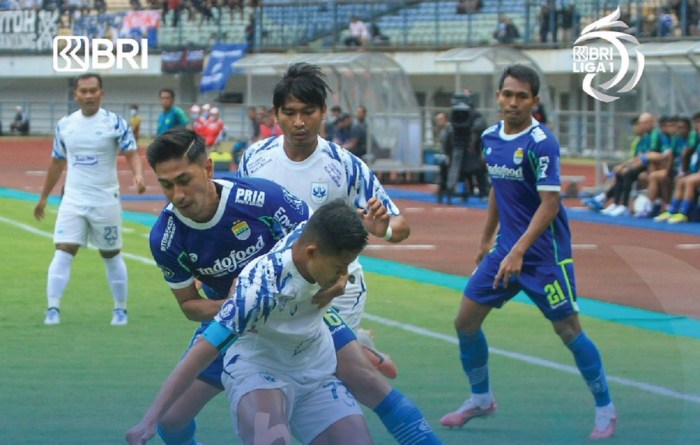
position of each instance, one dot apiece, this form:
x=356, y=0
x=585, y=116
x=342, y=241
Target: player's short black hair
x=89, y=76
x=336, y=228
x=174, y=144
x=167, y=90
x=524, y=74
x=634, y=120
x=303, y=81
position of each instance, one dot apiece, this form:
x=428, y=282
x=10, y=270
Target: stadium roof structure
x=371, y=79
x=671, y=78
x=490, y=61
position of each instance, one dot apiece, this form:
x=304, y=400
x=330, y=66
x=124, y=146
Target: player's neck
x=298, y=154
x=515, y=128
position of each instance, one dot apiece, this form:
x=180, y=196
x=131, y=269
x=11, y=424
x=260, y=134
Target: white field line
x=687, y=246
x=400, y=247
x=658, y=390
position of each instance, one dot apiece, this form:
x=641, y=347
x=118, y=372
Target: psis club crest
x=319, y=192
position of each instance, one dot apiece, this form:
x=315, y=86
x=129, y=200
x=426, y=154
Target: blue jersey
x=520, y=166
x=253, y=214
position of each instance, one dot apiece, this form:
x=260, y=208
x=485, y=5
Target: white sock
x=59, y=274
x=117, y=278
x=483, y=399
x=600, y=197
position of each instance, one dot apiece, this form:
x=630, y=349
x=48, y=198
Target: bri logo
x=73, y=54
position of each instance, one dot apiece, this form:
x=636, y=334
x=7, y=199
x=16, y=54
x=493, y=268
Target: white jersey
x=280, y=329
x=90, y=145
x=330, y=172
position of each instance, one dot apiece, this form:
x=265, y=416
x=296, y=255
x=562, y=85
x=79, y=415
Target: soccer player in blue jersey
x=531, y=253
x=210, y=231
x=280, y=357
x=318, y=171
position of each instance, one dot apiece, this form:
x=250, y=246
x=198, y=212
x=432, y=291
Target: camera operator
x=465, y=160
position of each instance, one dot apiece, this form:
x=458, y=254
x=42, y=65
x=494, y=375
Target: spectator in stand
x=172, y=116
x=20, y=124
x=269, y=126
x=328, y=127
x=548, y=22
x=250, y=32
x=359, y=34
x=341, y=134
x=445, y=134
x=506, y=32
x=569, y=18
x=254, y=125
x=135, y=121
x=376, y=35
x=213, y=131
x=468, y=6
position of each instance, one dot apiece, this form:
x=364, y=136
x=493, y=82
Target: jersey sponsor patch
x=255, y=198
x=236, y=259
x=319, y=192
x=168, y=235
x=538, y=135
x=85, y=160
x=241, y=230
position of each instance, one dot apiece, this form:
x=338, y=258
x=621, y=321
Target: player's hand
x=139, y=184
x=508, y=270
x=324, y=296
x=481, y=253
x=39, y=209
x=141, y=433
x=376, y=217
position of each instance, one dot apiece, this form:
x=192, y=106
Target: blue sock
x=474, y=353
x=183, y=437
x=686, y=207
x=675, y=205
x=404, y=421
x=591, y=367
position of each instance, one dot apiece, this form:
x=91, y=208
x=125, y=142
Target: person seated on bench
x=20, y=124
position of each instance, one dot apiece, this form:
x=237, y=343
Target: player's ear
x=209, y=168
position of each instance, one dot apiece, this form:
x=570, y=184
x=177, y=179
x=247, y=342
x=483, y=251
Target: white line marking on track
x=654, y=389
x=400, y=247
x=584, y=246
x=414, y=209
x=687, y=246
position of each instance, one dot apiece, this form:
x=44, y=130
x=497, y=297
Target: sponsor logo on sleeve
x=296, y=203
x=168, y=234
x=255, y=198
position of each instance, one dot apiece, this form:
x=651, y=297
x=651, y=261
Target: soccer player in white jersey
x=531, y=253
x=87, y=143
x=280, y=358
x=319, y=171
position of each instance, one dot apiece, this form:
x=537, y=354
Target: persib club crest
x=241, y=230
x=518, y=156
x=319, y=192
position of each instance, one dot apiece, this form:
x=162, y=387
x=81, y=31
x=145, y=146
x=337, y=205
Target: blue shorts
x=342, y=335
x=551, y=287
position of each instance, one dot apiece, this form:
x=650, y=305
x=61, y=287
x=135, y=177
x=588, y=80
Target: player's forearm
x=134, y=161
x=52, y=176
x=400, y=229
x=491, y=220
x=184, y=374
x=201, y=309
x=543, y=217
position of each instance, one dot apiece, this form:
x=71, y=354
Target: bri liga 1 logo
x=79, y=54
x=600, y=60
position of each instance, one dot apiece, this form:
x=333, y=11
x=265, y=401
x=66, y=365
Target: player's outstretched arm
x=197, y=358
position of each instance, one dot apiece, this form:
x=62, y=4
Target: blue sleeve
x=286, y=209
x=168, y=253
x=59, y=147
x=125, y=136
x=546, y=161
x=364, y=185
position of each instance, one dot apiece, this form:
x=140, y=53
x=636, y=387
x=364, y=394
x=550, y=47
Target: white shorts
x=351, y=305
x=102, y=226
x=310, y=411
